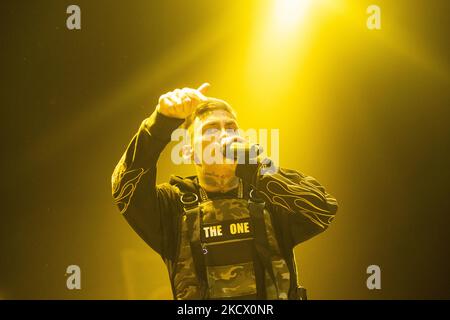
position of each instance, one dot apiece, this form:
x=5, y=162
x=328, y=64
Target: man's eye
x=210, y=131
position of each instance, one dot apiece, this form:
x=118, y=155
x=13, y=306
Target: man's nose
x=223, y=133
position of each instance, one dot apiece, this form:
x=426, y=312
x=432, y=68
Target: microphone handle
x=240, y=151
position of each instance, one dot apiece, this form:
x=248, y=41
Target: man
x=229, y=231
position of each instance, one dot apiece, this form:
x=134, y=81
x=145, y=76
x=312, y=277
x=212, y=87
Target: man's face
x=208, y=132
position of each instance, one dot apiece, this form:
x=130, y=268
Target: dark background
x=375, y=132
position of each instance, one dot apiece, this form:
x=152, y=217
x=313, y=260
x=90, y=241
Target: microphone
x=242, y=152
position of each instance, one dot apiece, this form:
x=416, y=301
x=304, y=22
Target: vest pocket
x=230, y=270
x=231, y=280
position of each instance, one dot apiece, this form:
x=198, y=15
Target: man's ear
x=187, y=152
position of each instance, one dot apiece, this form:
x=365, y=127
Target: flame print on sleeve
x=124, y=184
x=303, y=195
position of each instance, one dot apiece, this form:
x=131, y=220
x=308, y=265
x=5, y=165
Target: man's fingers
x=180, y=103
x=204, y=88
x=167, y=102
x=196, y=95
x=176, y=98
x=162, y=97
x=187, y=104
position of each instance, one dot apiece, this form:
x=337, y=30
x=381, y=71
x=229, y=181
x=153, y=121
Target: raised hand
x=180, y=103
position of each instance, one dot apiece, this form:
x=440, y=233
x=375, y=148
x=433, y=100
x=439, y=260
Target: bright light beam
x=280, y=41
x=289, y=13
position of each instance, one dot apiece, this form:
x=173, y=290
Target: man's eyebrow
x=210, y=123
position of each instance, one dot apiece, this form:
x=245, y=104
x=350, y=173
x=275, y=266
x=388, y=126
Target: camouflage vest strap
x=256, y=207
x=193, y=215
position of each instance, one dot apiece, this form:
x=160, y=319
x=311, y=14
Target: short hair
x=211, y=105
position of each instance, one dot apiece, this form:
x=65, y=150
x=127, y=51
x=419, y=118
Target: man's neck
x=212, y=182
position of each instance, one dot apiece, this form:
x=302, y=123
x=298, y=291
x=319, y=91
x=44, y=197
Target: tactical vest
x=227, y=249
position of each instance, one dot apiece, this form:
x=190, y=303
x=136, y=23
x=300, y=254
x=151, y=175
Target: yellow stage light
x=289, y=13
